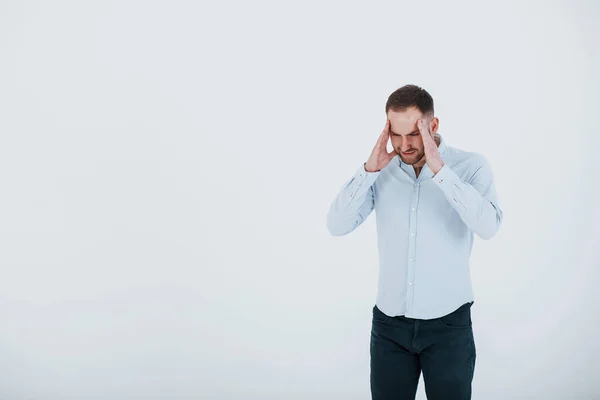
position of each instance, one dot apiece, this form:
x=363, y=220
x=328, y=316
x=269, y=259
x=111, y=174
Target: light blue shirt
x=425, y=228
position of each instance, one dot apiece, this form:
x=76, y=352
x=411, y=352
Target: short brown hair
x=410, y=96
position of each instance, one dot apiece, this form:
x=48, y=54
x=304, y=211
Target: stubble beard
x=413, y=159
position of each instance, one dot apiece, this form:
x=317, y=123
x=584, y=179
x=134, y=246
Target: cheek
x=416, y=142
x=409, y=142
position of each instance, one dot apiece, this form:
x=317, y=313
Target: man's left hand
x=432, y=154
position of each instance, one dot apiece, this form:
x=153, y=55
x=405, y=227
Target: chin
x=410, y=161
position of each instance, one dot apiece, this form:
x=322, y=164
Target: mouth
x=408, y=153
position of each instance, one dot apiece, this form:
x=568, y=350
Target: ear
x=434, y=125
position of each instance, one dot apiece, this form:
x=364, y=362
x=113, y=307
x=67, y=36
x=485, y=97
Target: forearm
x=353, y=203
x=480, y=213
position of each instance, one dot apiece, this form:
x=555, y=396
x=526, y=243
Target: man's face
x=405, y=136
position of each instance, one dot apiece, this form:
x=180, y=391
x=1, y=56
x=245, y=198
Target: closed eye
x=415, y=133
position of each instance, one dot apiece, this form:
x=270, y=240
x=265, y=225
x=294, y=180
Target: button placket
x=412, y=227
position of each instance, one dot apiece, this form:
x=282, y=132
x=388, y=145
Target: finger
x=428, y=144
x=425, y=133
x=386, y=130
x=385, y=134
x=423, y=126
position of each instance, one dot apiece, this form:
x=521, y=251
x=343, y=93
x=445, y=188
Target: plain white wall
x=166, y=169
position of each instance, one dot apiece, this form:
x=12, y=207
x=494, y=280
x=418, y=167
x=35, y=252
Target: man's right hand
x=380, y=157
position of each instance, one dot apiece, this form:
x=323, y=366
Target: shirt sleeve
x=475, y=201
x=353, y=203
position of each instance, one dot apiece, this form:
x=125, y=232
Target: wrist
x=436, y=167
x=369, y=169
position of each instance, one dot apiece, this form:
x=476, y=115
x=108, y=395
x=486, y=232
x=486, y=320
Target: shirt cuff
x=363, y=176
x=445, y=176
x=362, y=180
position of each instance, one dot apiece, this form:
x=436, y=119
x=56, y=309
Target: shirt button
x=414, y=209
x=412, y=234
x=410, y=259
x=410, y=283
x=416, y=184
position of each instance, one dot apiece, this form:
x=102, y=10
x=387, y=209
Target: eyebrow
x=397, y=134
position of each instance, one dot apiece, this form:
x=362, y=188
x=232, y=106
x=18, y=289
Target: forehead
x=405, y=121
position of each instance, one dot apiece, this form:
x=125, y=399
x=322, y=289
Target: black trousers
x=443, y=348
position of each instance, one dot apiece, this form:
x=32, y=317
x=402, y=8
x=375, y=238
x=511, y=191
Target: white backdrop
x=166, y=168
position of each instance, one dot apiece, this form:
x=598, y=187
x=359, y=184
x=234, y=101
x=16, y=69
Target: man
x=430, y=200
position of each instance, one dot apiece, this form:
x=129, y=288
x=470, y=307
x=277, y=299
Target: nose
x=405, y=147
